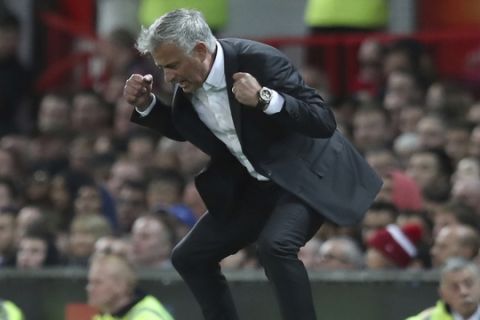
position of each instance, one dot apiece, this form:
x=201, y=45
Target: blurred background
x=76, y=177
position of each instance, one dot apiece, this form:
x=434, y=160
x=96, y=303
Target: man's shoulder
x=149, y=308
x=437, y=312
x=246, y=46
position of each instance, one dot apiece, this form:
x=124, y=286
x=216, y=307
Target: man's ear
x=200, y=50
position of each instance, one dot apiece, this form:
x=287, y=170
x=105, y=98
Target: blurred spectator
x=112, y=289
x=114, y=245
x=26, y=217
x=431, y=169
x=457, y=140
x=243, y=259
x=11, y=166
x=63, y=192
x=122, y=126
x=152, y=242
x=316, y=79
x=7, y=236
x=140, y=148
x=404, y=145
x=179, y=216
x=191, y=159
x=339, y=253
x=382, y=160
x=120, y=59
x=474, y=148
x=90, y=114
x=308, y=252
x=54, y=114
x=393, y=247
x=378, y=216
x=121, y=171
x=401, y=190
x=371, y=129
x=455, y=241
x=9, y=193
x=36, y=191
x=410, y=115
x=85, y=230
x=454, y=213
x=473, y=113
x=14, y=77
x=448, y=99
x=402, y=89
x=48, y=152
x=467, y=190
x=409, y=55
x=92, y=199
x=36, y=248
x=459, y=291
x=167, y=154
x=165, y=188
x=131, y=203
x=467, y=167
x=368, y=82
x=431, y=130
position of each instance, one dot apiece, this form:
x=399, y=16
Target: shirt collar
x=216, y=77
x=474, y=316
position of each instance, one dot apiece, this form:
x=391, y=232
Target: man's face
x=149, y=241
x=369, y=130
x=461, y=291
x=423, y=168
x=31, y=253
x=446, y=245
x=103, y=287
x=189, y=71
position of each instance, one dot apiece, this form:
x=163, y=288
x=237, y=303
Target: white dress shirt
x=212, y=106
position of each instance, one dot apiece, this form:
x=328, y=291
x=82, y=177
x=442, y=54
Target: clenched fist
x=137, y=90
x=245, y=88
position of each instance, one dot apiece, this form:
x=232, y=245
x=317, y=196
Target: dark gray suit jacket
x=298, y=148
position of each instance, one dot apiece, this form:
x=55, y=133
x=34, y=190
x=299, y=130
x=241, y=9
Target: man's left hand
x=245, y=88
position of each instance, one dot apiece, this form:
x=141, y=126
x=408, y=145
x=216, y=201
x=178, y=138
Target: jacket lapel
x=231, y=66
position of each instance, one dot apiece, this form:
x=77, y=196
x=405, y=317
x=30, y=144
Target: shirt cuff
x=145, y=112
x=276, y=104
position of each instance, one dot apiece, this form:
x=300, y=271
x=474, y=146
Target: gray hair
x=351, y=252
x=458, y=264
x=183, y=27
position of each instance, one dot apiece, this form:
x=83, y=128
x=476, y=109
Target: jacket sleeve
x=304, y=111
x=159, y=119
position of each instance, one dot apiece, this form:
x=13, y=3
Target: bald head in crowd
x=455, y=241
x=111, y=282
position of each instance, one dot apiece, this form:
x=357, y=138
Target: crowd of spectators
x=77, y=177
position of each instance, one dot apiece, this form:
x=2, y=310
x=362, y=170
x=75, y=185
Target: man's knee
x=275, y=248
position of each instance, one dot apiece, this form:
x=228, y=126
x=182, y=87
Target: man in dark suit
x=278, y=165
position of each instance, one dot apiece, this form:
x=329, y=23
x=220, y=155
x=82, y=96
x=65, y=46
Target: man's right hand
x=137, y=90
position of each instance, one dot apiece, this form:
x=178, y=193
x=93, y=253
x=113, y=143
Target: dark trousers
x=279, y=223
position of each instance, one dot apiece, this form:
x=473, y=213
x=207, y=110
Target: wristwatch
x=264, y=97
